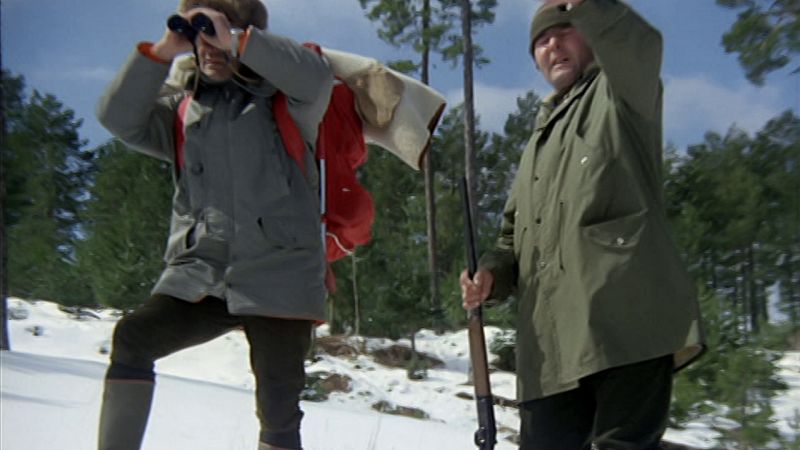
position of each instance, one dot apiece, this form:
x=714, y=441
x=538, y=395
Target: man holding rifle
x=606, y=310
x=245, y=247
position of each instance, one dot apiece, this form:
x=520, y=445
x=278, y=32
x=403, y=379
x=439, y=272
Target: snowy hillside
x=52, y=385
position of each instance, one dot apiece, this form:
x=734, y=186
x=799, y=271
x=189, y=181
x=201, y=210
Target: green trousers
x=623, y=408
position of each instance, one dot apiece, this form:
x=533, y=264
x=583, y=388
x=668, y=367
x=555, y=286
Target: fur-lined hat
x=241, y=13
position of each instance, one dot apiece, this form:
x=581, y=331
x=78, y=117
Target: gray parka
x=245, y=220
x=585, y=243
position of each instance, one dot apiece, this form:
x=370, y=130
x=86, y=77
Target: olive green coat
x=245, y=219
x=584, y=242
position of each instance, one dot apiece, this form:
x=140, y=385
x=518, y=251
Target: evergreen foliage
x=392, y=277
x=127, y=224
x=429, y=26
x=766, y=35
x=47, y=174
x=426, y=26
x=734, y=204
x=89, y=227
x=735, y=379
x=733, y=201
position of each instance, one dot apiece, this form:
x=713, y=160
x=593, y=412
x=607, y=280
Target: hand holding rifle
x=476, y=289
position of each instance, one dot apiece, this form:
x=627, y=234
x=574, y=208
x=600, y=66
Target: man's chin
x=562, y=80
x=217, y=74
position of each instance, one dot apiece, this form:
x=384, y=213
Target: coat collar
x=556, y=103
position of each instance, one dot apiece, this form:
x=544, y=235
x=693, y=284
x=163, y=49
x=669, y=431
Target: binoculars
x=200, y=23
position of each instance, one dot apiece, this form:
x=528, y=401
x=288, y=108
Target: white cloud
x=692, y=106
x=697, y=104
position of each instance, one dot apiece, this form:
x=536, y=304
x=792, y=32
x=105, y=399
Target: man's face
x=214, y=63
x=562, y=55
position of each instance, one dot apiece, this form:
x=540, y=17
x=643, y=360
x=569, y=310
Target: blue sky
x=72, y=48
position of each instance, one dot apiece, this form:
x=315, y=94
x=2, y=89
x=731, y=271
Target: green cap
x=548, y=16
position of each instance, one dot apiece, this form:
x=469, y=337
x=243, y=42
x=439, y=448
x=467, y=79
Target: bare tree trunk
x=426, y=47
x=714, y=262
x=469, y=110
x=332, y=315
x=788, y=292
x=430, y=194
x=356, y=306
x=469, y=124
x=752, y=290
x=4, y=340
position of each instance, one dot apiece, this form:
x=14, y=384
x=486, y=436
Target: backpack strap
x=180, y=137
x=290, y=134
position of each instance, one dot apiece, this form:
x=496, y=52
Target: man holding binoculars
x=244, y=249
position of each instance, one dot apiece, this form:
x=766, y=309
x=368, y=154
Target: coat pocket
x=620, y=234
x=290, y=232
x=181, y=237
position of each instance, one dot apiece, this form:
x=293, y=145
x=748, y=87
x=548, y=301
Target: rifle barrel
x=485, y=436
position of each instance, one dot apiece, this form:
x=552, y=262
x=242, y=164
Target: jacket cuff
x=503, y=266
x=594, y=16
x=243, y=41
x=146, y=49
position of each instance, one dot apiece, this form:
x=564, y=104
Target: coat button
x=620, y=241
x=542, y=264
x=197, y=168
x=538, y=220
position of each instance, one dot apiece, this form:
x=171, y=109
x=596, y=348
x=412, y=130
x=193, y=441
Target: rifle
x=485, y=436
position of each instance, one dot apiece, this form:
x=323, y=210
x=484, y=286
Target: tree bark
x=752, y=291
x=430, y=193
x=469, y=110
x=356, y=306
x=5, y=343
x=469, y=125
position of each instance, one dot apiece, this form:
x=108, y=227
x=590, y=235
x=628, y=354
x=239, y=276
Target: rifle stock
x=485, y=436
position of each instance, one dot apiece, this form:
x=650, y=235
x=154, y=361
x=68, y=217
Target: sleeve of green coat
x=131, y=108
x=626, y=47
x=299, y=72
x=500, y=261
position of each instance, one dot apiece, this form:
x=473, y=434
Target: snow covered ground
x=52, y=386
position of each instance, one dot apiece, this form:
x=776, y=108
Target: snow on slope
x=52, y=384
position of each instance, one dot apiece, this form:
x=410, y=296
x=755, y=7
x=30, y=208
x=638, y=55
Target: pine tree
x=48, y=173
x=776, y=160
x=426, y=26
x=11, y=97
x=127, y=224
x=765, y=35
x=731, y=200
x=498, y=156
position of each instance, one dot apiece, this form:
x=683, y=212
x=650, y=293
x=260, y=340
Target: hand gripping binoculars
x=200, y=23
